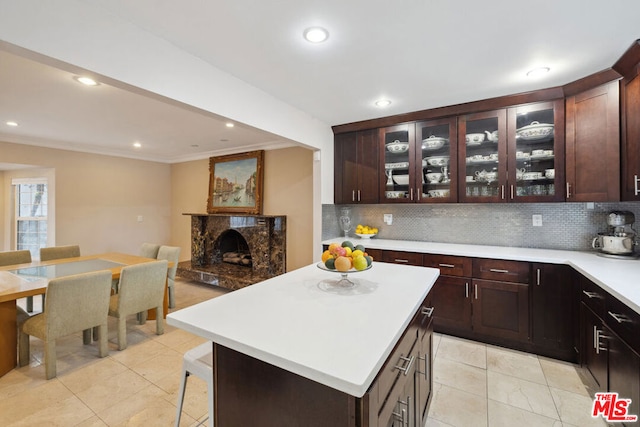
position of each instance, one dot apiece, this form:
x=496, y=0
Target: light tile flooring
x=475, y=384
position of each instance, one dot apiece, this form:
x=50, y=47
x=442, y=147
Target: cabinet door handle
x=538, y=276
x=497, y=270
x=428, y=311
x=447, y=265
x=635, y=184
x=591, y=294
x=595, y=338
x=476, y=290
x=620, y=318
x=411, y=193
x=466, y=290
x=418, y=192
x=358, y=195
x=426, y=367
x=405, y=369
x=401, y=260
x=512, y=192
x=353, y=195
x=568, y=190
x=599, y=335
x=502, y=191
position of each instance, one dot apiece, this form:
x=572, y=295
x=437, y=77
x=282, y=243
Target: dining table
x=23, y=280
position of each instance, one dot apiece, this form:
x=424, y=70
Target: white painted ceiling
x=419, y=54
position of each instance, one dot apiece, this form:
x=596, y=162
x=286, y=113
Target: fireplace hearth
x=234, y=251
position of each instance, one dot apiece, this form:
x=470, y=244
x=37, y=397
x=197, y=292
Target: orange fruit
x=342, y=263
x=326, y=255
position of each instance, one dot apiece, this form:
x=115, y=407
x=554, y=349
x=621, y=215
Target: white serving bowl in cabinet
x=394, y=194
x=474, y=138
x=437, y=161
x=401, y=179
x=433, y=143
x=535, y=131
x=397, y=147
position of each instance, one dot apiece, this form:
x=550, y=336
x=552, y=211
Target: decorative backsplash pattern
x=566, y=226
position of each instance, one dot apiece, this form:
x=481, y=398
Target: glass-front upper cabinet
x=512, y=155
x=536, y=161
x=482, y=160
x=399, y=163
x=436, y=144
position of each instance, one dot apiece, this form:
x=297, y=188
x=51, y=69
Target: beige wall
x=288, y=190
x=98, y=198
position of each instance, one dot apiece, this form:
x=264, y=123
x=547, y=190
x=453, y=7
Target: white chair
x=59, y=252
x=199, y=362
x=149, y=250
x=171, y=254
x=73, y=304
x=141, y=288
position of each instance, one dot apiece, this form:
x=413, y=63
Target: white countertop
x=339, y=340
x=621, y=278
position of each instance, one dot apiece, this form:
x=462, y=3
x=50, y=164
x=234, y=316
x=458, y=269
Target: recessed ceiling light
x=316, y=34
x=383, y=103
x=224, y=140
x=86, y=81
x=11, y=123
x=538, y=72
x=195, y=145
x=230, y=125
x=137, y=145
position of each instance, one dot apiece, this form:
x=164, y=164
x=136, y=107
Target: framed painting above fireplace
x=235, y=183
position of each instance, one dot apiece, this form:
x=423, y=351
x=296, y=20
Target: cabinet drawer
x=394, y=373
x=449, y=265
x=399, y=257
x=501, y=270
x=376, y=254
x=593, y=296
x=623, y=321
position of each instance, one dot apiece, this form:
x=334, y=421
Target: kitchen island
x=293, y=351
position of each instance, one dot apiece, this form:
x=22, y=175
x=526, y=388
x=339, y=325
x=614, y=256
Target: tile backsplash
x=567, y=226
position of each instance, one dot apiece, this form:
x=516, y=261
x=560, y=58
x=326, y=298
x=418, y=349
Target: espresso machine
x=620, y=240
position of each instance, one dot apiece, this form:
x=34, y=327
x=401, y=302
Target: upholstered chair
x=59, y=252
x=141, y=288
x=17, y=257
x=171, y=254
x=73, y=304
x=149, y=250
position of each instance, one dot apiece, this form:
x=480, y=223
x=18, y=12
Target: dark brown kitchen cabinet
x=356, y=167
x=424, y=364
x=630, y=131
x=624, y=372
x=594, y=352
x=437, y=148
x=512, y=155
x=452, y=296
x=593, y=145
x=401, y=257
x=399, y=162
x=501, y=309
x=554, y=304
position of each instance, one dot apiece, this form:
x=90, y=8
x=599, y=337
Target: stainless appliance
x=620, y=240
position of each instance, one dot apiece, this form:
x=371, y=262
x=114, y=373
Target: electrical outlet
x=388, y=219
x=537, y=220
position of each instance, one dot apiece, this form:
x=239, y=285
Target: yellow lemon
x=357, y=253
x=348, y=249
x=326, y=255
x=360, y=263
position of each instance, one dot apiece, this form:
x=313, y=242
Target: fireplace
x=234, y=251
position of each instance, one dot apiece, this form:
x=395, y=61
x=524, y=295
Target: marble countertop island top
x=339, y=339
x=621, y=278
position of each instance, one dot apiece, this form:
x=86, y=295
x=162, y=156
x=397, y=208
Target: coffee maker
x=620, y=240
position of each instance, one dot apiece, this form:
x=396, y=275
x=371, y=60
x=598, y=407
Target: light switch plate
x=388, y=219
x=537, y=220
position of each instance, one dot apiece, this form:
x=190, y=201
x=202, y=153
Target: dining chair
x=17, y=257
x=149, y=250
x=171, y=254
x=141, y=288
x=199, y=362
x=73, y=304
x=59, y=252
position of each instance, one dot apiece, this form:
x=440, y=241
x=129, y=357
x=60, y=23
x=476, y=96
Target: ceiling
x=419, y=54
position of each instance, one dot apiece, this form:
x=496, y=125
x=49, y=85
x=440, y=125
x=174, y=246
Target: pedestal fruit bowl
x=344, y=258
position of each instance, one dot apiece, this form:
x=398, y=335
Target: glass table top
x=65, y=269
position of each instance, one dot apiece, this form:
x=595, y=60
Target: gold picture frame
x=235, y=183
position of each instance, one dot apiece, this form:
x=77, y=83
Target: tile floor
x=475, y=384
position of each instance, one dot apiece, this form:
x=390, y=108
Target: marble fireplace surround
x=265, y=236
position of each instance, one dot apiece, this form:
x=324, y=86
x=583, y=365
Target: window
x=31, y=202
